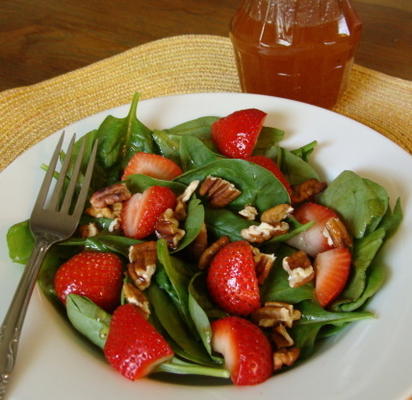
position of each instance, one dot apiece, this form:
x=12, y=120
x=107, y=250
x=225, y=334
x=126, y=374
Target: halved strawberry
x=141, y=211
x=246, y=350
x=232, y=281
x=269, y=164
x=332, y=269
x=236, y=135
x=95, y=275
x=133, y=346
x=152, y=165
x=313, y=240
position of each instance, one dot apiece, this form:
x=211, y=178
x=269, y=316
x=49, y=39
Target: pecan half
x=135, y=296
x=336, y=233
x=263, y=264
x=104, y=212
x=109, y=195
x=219, y=191
x=281, y=337
x=274, y=312
x=88, y=230
x=276, y=214
x=210, y=252
x=142, y=257
x=249, y=212
x=264, y=231
x=180, y=211
x=299, y=268
x=284, y=357
x=306, y=190
x=167, y=227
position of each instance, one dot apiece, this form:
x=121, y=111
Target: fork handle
x=10, y=330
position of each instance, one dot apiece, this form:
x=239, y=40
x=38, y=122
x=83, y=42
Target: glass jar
x=297, y=49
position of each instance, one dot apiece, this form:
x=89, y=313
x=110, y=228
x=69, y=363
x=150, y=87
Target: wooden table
x=40, y=39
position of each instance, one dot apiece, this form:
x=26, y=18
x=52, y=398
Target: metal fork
x=51, y=222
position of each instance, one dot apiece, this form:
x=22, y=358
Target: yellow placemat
x=180, y=64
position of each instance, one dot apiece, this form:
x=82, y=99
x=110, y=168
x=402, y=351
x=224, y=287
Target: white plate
x=371, y=360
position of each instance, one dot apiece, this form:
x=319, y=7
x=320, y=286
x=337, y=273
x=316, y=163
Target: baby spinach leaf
x=361, y=202
x=20, y=242
x=268, y=137
x=177, y=366
x=138, y=183
x=392, y=219
x=193, y=223
x=223, y=222
x=305, y=151
x=258, y=186
x=194, y=153
x=276, y=286
x=120, y=138
x=199, y=127
x=88, y=318
x=168, y=145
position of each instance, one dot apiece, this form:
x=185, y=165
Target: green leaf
x=20, y=242
x=168, y=145
x=138, y=183
x=88, y=318
x=199, y=127
x=258, y=186
x=360, y=202
x=392, y=219
x=177, y=366
x=305, y=151
x=268, y=137
x=193, y=223
x=194, y=153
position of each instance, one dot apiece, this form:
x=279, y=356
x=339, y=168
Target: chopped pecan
x=276, y=214
x=199, y=245
x=299, y=269
x=181, y=201
x=306, y=190
x=274, y=312
x=142, y=257
x=88, y=230
x=210, y=252
x=133, y=295
x=284, y=357
x=281, y=337
x=264, y=231
x=104, y=212
x=336, y=233
x=109, y=195
x=219, y=191
x=263, y=264
x=114, y=225
x=167, y=227
x=249, y=212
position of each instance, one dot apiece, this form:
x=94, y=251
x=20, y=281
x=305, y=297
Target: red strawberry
x=98, y=276
x=141, y=211
x=269, y=164
x=313, y=240
x=232, y=280
x=236, y=135
x=152, y=165
x=332, y=269
x=247, y=351
x=133, y=346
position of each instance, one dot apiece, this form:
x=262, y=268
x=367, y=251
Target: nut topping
x=219, y=191
x=181, y=202
x=284, y=357
x=109, y=195
x=281, y=337
x=274, y=312
x=167, y=227
x=299, y=269
x=88, y=230
x=210, y=252
x=136, y=297
x=306, y=190
x=264, y=231
x=276, y=214
x=142, y=257
x=249, y=212
x=263, y=264
x=336, y=233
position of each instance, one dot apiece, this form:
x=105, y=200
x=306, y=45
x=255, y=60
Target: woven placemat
x=180, y=64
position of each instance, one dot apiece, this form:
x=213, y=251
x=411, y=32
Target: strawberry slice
x=141, y=211
x=269, y=164
x=133, y=346
x=236, y=135
x=332, y=269
x=152, y=165
x=245, y=348
x=313, y=240
x=95, y=275
x=232, y=280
